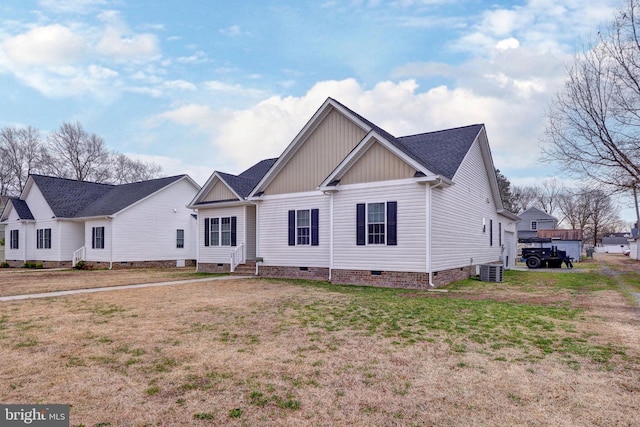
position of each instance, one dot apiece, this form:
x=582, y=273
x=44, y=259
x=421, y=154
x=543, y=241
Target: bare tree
x=21, y=151
x=548, y=196
x=126, y=170
x=78, y=154
x=593, y=127
x=523, y=197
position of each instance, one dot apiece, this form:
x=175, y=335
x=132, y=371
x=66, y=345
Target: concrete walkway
x=115, y=288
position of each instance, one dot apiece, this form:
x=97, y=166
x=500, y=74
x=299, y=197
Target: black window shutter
x=315, y=214
x=392, y=223
x=93, y=238
x=206, y=231
x=361, y=225
x=292, y=228
x=233, y=231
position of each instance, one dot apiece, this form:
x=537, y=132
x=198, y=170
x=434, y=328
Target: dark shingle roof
x=441, y=152
x=75, y=199
x=67, y=197
x=244, y=183
x=22, y=209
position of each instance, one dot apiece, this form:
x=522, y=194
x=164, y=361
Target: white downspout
x=330, y=235
x=111, y=245
x=429, y=231
x=257, y=234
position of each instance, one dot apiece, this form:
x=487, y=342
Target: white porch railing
x=237, y=257
x=78, y=256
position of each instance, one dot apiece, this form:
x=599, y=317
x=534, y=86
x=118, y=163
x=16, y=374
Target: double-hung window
x=97, y=238
x=220, y=231
x=14, y=239
x=303, y=227
x=180, y=238
x=43, y=238
x=534, y=225
x=376, y=223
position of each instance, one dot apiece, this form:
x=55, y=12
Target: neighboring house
x=3, y=202
x=532, y=220
x=569, y=241
x=58, y=221
x=615, y=243
x=350, y=203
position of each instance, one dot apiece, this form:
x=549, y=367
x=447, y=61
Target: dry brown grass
x=248, y=352
x=18, y=281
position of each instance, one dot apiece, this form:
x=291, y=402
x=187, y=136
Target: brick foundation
x=386, y=279
x=207, y=267
x=309, y=273
x=45, y=264
x=99, y=265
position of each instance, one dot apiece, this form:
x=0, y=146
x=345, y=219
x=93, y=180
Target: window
x=97, y=237
x=376, y=223
x=43, y=238
x=179, y=238
x=534, y=225
x=13, y=244
x=490, y=232
x=220, y=231
x=303, y=227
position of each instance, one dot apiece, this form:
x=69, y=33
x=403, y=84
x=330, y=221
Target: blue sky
x=198, y=86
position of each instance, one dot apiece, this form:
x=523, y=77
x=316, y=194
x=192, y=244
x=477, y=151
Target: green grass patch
x=409, y=317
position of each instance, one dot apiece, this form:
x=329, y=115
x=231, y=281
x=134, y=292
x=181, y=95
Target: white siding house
x=350, y=203
x=57, y=222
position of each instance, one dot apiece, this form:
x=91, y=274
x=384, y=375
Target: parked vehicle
x=546, y=257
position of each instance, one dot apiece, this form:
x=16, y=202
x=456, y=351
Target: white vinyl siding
x=458, y=212
x=146, y=230
x=410, y=252
x=273, y=228
x=216, y=253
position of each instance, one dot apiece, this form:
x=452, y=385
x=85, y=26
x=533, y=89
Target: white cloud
x=72, y=6
x=232, y=31
x=119, y=43
x=242, y=137
x=47, y=45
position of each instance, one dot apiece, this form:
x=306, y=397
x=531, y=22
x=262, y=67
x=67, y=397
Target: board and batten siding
x=273, y=231
x=409, y=254
x=220, y=254
x=458, y=239
x=325, y=148
x=219, y=192
x=377, y=164
x=146, y=231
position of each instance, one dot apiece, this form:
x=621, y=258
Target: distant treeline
x=68, y=152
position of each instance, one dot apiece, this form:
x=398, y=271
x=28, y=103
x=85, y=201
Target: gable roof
x=241, y=184
x=535, y=214
x=69, y=198
x=441, y=151
x=438, y=154
x=21, y=208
